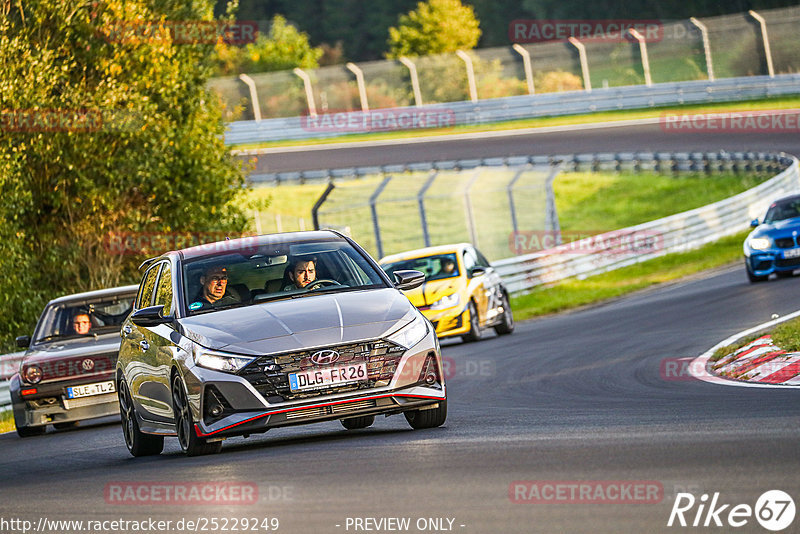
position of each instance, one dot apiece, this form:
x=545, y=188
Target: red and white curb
x=759, y=364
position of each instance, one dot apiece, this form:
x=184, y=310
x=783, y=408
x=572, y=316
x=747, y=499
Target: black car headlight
x=221, y=361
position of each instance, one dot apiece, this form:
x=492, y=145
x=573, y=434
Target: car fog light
x=33, y=374
x=215, y=410
x=430, y=378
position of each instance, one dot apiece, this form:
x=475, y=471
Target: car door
x=492, y=286
x=475, y=282
x=162, y=348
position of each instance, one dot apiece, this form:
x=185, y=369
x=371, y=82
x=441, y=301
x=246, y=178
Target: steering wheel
x=321, y=282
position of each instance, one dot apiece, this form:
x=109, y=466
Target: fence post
x=412, y=70
x=373, y=200
x=765, y=38
x=706, y=47
x=421, y=203
x=473, y=233
x=587, y=82
x=643, y=52
x=526, y=64
x=362, y=88
x=473, y=90
x=318, y=204
x=312, y=108
x=253, y=95
x=512, y=208
x=551, y=213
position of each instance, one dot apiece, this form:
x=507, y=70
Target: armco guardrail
x=531, y=106
x=675, y=233
x=9, y=363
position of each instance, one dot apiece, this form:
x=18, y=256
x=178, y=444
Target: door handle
x=144, y=345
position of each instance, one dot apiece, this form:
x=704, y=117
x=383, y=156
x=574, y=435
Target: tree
x=283, y=48
x=436, y=27
x=106, y=129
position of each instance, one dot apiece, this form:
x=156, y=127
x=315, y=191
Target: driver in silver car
x=301, y=272
x=214, y=285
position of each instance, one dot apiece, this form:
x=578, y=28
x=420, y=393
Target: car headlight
x=33, y=374
x=411, y=334
x=759, y=243
x=446, y=302
x=219, y=361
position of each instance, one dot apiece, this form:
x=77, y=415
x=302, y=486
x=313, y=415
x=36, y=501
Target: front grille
x=791, y=262
x=77, y=367
x=785, y=242
x=763, y=265
x=269, y=374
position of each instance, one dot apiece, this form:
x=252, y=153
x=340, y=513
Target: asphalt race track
x=583, y=139
x=577, y=397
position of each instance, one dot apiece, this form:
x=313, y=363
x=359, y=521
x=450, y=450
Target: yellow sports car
x=462, y=294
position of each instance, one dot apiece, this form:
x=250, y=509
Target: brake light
x=29, y=391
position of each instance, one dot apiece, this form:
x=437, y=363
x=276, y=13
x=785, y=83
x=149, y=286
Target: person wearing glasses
x=81, y=323
x=214, y=289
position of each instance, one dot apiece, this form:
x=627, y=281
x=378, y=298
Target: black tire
x=65, y=426
x=30, y=431
x=354, y=423
x=138, y=443
x=474, y=333
x=753, y=278
x=506, y=324
x=419, y=419
x=191, y=444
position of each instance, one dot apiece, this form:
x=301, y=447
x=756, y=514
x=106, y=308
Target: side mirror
x=477, y=271
x=23, y=342
x=150, y=316
x=405, y=280
x=754, y=223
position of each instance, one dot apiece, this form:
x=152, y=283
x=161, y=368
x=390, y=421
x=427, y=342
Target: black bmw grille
x=269, y=374
x=784, y=242
x=791, y=262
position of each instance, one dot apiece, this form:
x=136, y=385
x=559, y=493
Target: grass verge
x=6, y=421
x=541, y=122
x=573, y=293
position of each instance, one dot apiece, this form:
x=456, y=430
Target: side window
x=146, y=287
x=164, y=290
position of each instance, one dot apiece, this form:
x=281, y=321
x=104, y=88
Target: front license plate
x=87, y=390
x=327, y=376
x=793, y=253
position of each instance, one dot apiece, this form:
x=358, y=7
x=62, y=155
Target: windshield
x=435, y=267
x=278, y=271
x=82, y=318
x=786, y=209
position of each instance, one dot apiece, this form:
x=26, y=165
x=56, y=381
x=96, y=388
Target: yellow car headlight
x=449, y=301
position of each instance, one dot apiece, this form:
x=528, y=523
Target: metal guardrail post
x=473, y=231
x=426, y=237
x=318, y=204
x=551, y=213
x=412, y=71
x=706, y=47
x=765, y=38
x=373, y=208
x=512, y=208
x=587, y=82
x=473, y=89
x=312, y=107
x=643, y=52
x=362, y=87
x=251, y=84
x=526, y=64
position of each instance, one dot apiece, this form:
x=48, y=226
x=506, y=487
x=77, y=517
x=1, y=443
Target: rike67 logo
x=774, y=510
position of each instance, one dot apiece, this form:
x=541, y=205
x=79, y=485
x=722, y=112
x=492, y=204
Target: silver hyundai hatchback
x=237, y=337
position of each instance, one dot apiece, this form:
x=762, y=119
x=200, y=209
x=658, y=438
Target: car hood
x=433, y=290
x=296, y=324
x=784, y=228
x=71, y=348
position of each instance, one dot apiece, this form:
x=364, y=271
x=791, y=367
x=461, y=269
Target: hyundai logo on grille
x=325, y=357
x=87, y=364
